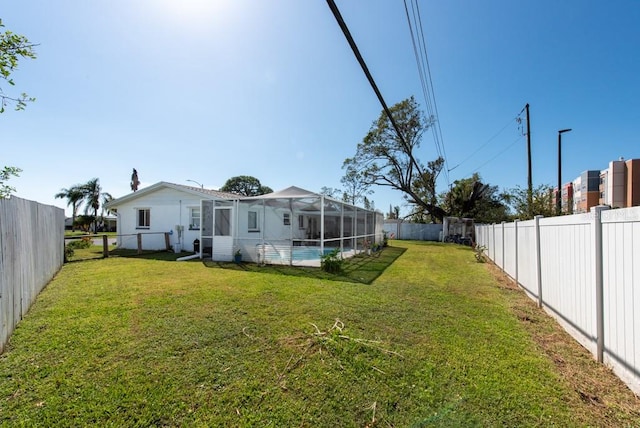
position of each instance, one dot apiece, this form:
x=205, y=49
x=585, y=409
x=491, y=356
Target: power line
x=356, y=52
x=433, y=94
x=496, y=156
x=426, y=81
x=485, y=143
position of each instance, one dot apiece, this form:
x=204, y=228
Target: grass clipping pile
x=328, y=340
x=334, y=343
x=598, y=391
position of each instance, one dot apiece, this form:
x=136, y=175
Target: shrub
x=479, y=254
x=68, y=252
x=332, y=262
x=80, y=243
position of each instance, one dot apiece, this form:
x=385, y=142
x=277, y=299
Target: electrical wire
x=485, y=143
x=365, y=69
x=433, y=95
x=496, y=156
x=426, y=81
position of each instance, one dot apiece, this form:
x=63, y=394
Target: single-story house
x=291, y=226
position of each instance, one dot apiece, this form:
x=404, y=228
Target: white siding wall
x=168, y=208
x=567, y=274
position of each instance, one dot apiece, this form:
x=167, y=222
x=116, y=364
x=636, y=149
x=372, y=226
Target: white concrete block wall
x=164, y=216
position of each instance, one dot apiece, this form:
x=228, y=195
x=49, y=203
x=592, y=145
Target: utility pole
x=559, y=194
x=529, y=179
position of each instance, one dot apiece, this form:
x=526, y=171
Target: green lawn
x=429, y=341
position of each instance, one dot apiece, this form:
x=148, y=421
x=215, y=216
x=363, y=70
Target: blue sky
x=207, y=90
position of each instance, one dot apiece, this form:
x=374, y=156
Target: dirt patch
x=601, y=397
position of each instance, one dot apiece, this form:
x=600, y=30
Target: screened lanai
x=291, y=227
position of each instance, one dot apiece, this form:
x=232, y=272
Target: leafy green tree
x=425, y=186
x=245, y=185
x=542, y=202
x=471, y=198
x=84, y=222
x=385, y=159
x=74, y=196
x=394, y=212
x=5, y=175
x=356, y=187
x=330, y=192
x=13, y=47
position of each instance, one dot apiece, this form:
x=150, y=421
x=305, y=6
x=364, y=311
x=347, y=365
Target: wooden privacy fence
x=104, y=240
x=139, y=237
x=580, y=269
x=31, y=253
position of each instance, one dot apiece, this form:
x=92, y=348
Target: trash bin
x=196, y=246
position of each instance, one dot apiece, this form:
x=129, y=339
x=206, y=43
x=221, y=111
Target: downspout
x=119, y=230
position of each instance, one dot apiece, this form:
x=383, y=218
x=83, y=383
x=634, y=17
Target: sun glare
x=194, y=14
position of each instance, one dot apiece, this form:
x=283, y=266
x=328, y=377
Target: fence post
x=493, y=241
x=596, y=212
x=105, y=246
x=504, y=264
x=515, y=231
x=139, y=243
x=538, y=258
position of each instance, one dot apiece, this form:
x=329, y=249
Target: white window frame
x=194, y=221
x=147, y=218
x=286, y=219
x=300, y=221
x=255, y=227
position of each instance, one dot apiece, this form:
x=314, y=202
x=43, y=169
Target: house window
x=194, y=218
x=300, y=222
x=144, y=218
x=253, y=221
x=222, y=222
x=286, y=217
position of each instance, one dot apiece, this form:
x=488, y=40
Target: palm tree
x=74, y=196
x=106, y=198
x=92, y=193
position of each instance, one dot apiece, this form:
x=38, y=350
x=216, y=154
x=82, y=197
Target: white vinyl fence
x=580, y=269
x=413, y=231
x=31, y=253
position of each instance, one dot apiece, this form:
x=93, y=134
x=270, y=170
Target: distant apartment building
x=613, y=185
x=633, y=182
x=586, y=191
x=566, y=201
x=620, y=184
x=575, y=185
